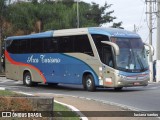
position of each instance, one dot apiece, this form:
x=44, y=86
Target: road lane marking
x=153, y=88
x=2, y=88
x=82, y=116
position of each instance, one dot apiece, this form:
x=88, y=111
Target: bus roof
x=36, y=35
x=111, y=32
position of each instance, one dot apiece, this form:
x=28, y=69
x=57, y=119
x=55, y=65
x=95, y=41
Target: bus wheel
x=89, y=83
x=118, y=88
x=27, y=79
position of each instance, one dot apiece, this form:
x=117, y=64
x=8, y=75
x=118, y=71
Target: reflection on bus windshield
x=132, y=55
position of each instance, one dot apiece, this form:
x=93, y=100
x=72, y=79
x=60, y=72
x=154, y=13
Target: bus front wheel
x=89, y=83
x=27, y=79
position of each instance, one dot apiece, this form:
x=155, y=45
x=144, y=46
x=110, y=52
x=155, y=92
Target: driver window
x=107, y=56
x=104, y=51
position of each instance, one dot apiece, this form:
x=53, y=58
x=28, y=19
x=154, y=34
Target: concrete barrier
x=42, y=103
x=31, y=107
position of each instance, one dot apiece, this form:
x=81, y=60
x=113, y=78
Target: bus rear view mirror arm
x=151, y=49
x=115, y=46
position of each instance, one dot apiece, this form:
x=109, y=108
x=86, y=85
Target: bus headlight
x=119, y=83
x=122, y=76
x=100, y=69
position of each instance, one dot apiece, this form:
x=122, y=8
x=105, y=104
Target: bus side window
x=107, y=56
x=104, y=51
x=50, y=45
x=66, y=44
x=83, y=45
x=76, y=43
x=25, y=46
x=8, y=45
x=14, y=47
x=36, y=45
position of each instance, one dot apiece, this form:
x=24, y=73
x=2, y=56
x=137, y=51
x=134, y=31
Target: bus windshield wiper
x=130, y=60
x=139, y=60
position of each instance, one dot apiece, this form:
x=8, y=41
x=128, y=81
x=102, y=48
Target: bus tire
x=118, y=88
x=89, y=84
x=27, y=79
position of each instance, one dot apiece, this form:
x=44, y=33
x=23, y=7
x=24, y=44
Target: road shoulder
x=84, y=104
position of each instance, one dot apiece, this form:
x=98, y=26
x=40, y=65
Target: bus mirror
x=115, y=46
x=151, y=49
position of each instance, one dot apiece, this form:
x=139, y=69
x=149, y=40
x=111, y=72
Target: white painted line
x=82, y=116
x=2, y=88
x=24, y=93
x=14, y=87
x=3, y=81
x=18, y=82
x=11, y=81
x=106, y=102
x=153, y=88
x=153, y=83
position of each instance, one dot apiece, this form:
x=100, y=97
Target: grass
x=60, y=112
x=7, y=93
x=63, y=113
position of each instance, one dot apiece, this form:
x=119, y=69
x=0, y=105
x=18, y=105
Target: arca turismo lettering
x=42, y=59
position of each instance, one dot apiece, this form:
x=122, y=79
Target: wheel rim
x=28, y=79
x=88, y=83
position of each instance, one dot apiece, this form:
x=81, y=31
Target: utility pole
x=77, y=13
x=150, y=28
x=150, y=41
x=158, y=30
x=135, y=29
x=151, y=9
x=150, y=12
x=158, y=43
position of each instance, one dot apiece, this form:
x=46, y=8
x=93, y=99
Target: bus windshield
x=132, y=56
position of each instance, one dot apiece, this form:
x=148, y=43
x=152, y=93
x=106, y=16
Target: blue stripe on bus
x=58, y=68
x=89, y=69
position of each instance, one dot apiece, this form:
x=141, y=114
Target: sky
x=131, y=12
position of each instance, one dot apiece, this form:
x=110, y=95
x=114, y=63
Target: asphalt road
x=137, y=98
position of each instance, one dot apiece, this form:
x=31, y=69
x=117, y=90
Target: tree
x=34, y=1
x=2, y=17
x=59, y=14
x=99, y=15
x=27, y=17
x=3, y=8
x=22, y=17
x=117, y=25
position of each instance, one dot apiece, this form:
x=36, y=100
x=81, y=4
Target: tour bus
x=92, y=57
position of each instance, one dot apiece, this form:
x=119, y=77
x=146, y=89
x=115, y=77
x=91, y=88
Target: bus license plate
x=136, y=83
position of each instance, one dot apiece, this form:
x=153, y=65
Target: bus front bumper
x=130, y=81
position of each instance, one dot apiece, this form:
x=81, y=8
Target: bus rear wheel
x=89, y=83
x=27, y=79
